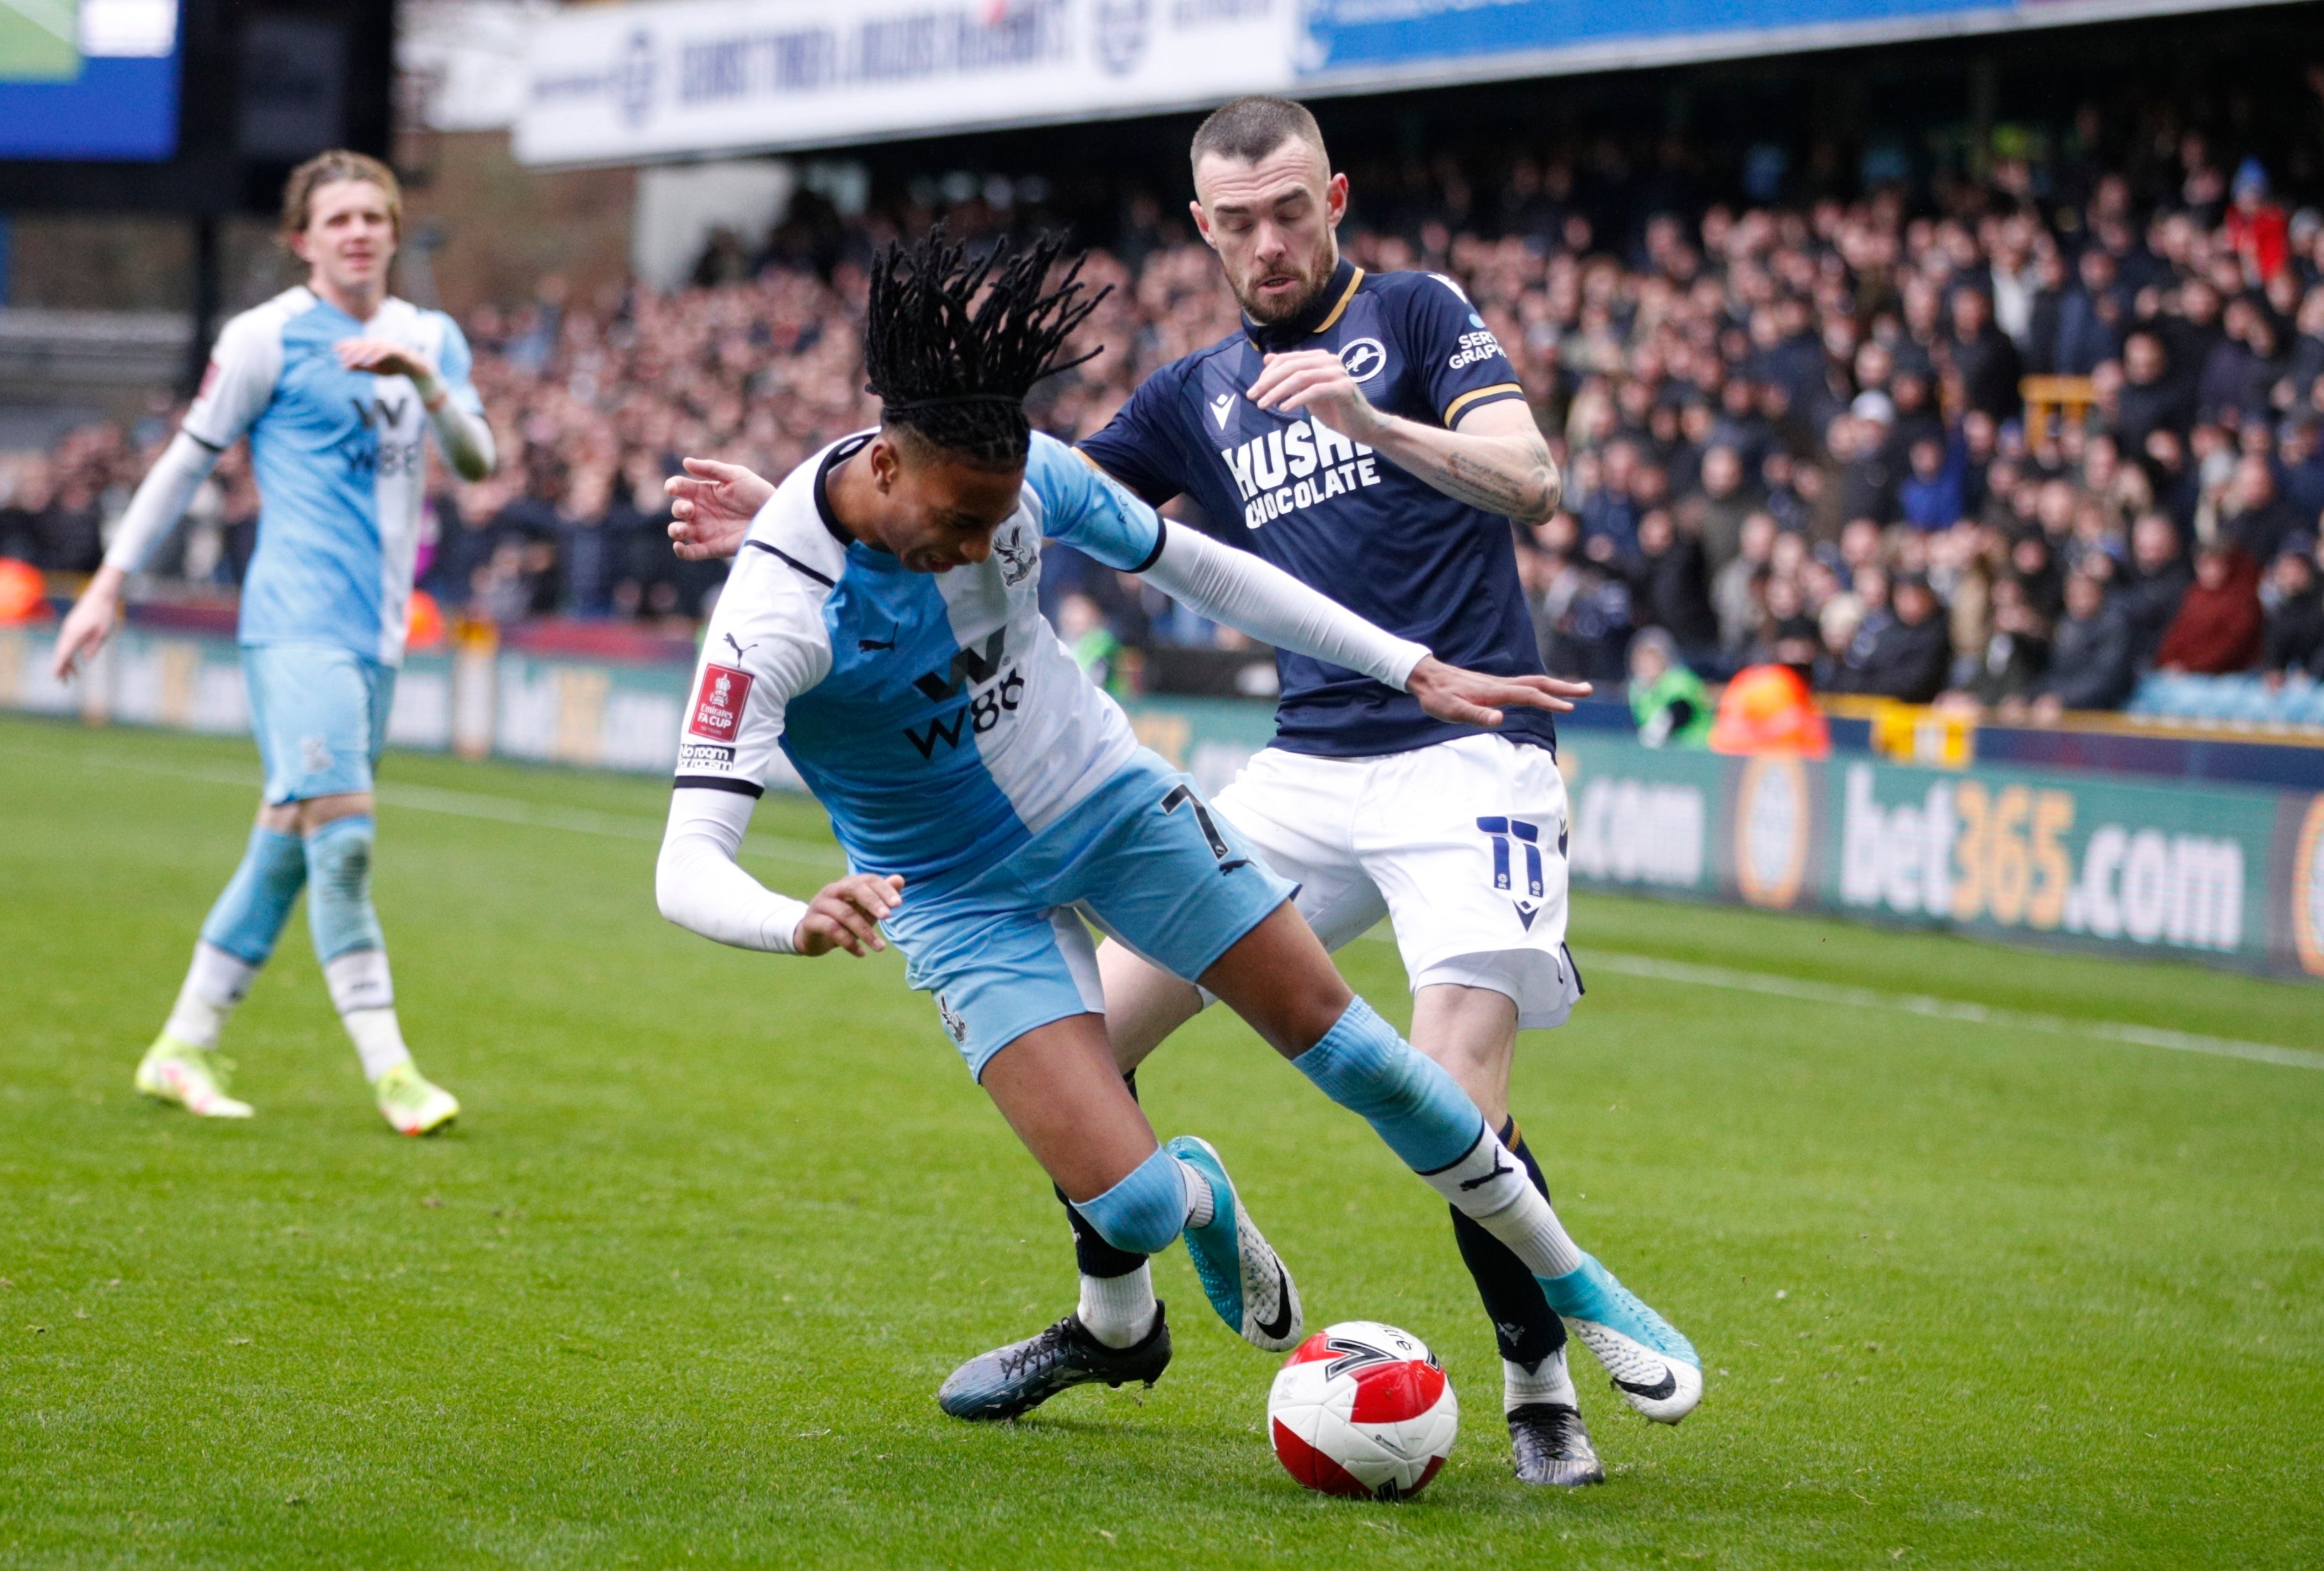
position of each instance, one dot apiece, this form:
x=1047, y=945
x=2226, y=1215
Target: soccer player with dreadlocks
x=882, y=628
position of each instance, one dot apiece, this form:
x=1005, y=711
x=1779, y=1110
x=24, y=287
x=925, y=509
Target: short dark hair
x=1248, y=129
x=954, y=368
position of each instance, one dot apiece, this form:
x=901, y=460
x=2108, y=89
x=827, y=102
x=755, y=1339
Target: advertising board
x=2222, y=874
x=679, y=77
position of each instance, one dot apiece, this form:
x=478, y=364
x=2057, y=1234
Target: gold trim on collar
x=1325, y=325
x=1466, y=399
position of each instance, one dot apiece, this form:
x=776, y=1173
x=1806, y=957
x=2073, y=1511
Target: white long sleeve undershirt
x=701, y=887
x=464, y=439
x=1259, y=598
x=161, y=499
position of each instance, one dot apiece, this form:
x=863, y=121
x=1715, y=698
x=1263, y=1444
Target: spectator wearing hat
x=2220, y=624
x=2093, y=664
x=2256, y=228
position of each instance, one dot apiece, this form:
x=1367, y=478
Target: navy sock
x=1526, y=1327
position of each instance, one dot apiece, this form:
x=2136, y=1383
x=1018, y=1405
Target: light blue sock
x=1145, y=1210
x=250, y=912
x=338, y=904
x=1422, y=1112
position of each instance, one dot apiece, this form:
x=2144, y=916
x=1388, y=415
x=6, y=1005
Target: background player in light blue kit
x=882, y=628
x=337, y=385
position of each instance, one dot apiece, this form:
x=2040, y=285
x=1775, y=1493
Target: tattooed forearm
x=1520, y=486
x=1508, y=473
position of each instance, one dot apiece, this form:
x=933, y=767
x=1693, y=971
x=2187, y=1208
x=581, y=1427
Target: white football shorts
x=1460, y=844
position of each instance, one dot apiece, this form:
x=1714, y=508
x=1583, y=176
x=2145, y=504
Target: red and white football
x=1363, y=1409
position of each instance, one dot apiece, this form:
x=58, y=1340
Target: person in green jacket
x=1669, y=702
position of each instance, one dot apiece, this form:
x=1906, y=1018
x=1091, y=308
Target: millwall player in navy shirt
x=1367, y=434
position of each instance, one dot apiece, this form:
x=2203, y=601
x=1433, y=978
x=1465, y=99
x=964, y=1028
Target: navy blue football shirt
x=1337, y=516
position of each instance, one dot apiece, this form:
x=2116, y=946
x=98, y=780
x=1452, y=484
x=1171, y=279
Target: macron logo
x=1222, y=409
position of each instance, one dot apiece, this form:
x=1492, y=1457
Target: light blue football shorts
x=1003, y=948
x=320, y=712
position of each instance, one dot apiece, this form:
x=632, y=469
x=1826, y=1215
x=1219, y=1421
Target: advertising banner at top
x=615, y=83
x=1349, y=45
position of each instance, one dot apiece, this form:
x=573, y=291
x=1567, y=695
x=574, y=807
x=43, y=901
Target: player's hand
x=845, y=913
x=1315, y=379
x=382, y=358
x=89, y=623
x=1472, y=698
x=710, y=507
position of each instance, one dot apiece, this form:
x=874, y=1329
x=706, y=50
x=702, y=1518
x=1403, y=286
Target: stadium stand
x=2049, y=443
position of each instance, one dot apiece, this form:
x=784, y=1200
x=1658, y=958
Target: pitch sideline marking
x=497, y=809
x=1961, y=1009
x=1934, y=1008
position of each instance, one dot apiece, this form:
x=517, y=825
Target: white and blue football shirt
x=340, y=463
x=936, y=716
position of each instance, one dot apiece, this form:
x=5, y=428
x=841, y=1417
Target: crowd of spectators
x=1790, y=435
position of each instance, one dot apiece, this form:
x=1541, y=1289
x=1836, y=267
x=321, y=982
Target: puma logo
x=1500, y=1167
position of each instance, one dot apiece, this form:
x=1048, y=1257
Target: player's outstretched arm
x=710, y=507
x=1496, y=459
x=1240, y=590
x=161, y=501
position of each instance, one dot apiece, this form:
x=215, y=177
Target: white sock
x=365, y=995
x=379, y=1039
x=1547, y=1381
x=1119, y=1310
x=1489, y=1186
x=215, y=983
x=1200, y=1207
x=359, y=979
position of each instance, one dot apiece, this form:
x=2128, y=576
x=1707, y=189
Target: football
x=1363, y=1409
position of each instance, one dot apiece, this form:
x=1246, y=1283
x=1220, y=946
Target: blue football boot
x=1652, y=1366
x=1246, y=1281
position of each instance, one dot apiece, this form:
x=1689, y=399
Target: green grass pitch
x=681, y=1286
